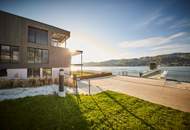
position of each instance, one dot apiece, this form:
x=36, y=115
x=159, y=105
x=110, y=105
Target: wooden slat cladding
x=11, y=30
x=14, y=32
x=59, y=57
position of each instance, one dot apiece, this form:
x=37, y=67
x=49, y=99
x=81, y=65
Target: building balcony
x=59, y=40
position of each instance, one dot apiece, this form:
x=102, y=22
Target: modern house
x=31, y=49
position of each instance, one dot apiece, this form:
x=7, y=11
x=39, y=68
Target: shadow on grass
x=125, y=108
x=42, y=112
x=78, y=98
x=106, y=118
x=110, y=125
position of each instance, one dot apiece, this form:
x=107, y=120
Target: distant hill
x=175, y=59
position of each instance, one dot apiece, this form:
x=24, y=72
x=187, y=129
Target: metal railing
x=175, y=75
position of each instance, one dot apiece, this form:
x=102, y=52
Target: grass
x=84, y=73
x=107, y=110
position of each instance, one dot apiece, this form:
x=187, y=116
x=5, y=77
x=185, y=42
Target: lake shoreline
x=178, y=73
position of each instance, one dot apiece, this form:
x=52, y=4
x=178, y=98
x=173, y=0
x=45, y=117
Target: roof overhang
x=61, y=37
x=76, y=52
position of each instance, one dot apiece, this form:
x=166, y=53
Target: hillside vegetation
x=175, y=59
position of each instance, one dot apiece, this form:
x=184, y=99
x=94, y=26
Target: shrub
x=69, y=82
x=11, y=83
x=17, y=83
x=41, y=82
x=50, y=81
x=45, y=81
x=95, y=75
x=32, y=82
x=25, y=83
x=38, y=83
x=5, y=84
x=56, y=81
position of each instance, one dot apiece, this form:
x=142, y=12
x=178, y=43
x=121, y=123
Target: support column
x=65, y=43
x=81, y=64
x=61, y=92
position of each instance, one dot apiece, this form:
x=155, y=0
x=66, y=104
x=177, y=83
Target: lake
x=179, y=73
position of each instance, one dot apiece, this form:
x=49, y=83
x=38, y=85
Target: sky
x=113, y=29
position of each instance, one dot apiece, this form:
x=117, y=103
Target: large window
x=31, y=55
x=3, y=72
x=36, y=35
x=9, y=54
x=15, y=54
x=47, y=72
x=5, y=54
x=45, y=56
x=36, y=55
x=31, y=35
x=33, y=72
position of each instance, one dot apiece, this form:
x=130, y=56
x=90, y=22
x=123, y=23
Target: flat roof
x=76, y=52
x=34, y=21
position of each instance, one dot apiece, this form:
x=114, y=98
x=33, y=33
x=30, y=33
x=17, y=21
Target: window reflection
x=45, y=56
x=5, y=54
x=30, y=55
x=36, y=55
x=33, y=72
x=9, y=54
x=47, y=72
x=36, y=35
x=15, y=54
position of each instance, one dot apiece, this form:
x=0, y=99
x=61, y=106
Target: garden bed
x=88, y=74
x=32, y=82
x=37, y=82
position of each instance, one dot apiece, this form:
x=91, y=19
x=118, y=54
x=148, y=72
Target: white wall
x=55, y=71
x=22, y=73
x=17, y=73
x=41, y=72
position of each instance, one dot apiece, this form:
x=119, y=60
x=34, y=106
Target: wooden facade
x=14, y=32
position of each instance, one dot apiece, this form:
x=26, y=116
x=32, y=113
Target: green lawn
x=107, y=110
x=84, y=73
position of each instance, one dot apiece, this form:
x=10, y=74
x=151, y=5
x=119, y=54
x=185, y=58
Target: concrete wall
x=41, y=73
x=21, y=73
x=17, y=73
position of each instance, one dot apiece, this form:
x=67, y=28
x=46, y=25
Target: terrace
x=59, y=40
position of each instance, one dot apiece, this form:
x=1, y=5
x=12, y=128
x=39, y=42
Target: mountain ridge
x=173, y=59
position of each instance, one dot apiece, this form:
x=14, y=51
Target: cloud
x=164, y=20
x=172, y=47
x=153, y=46
x=150, y=19
x=155, y=17
x=164, y=49
x=167, y=49
x=180, y=24
x=151, y=41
